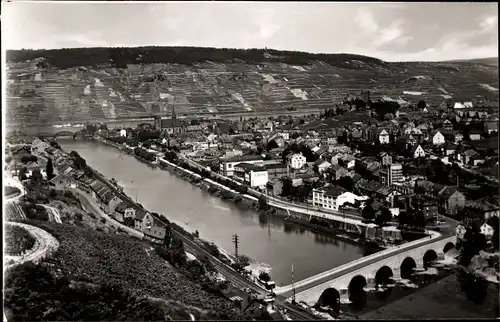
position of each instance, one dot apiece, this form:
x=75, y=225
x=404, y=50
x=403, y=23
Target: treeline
x=144, y=154
x=120, y=57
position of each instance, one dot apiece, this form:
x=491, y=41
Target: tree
x=272, y=145
x=419, y=220
x=346, y=182
x=368, y=213
x=263, y=203
x=264, y=276
x=36, y=176
x=49, y=169
x=421, y=105
x=472, y=244
x=22, y=173
x=384, y=217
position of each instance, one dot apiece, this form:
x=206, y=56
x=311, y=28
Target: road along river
x=266, y=240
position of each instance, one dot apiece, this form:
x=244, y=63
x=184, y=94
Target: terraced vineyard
x=13, y=212
x=44, y=94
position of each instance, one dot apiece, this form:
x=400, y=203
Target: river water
x=265, y=240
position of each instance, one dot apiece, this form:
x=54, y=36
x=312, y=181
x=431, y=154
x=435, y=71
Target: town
x=212, y=161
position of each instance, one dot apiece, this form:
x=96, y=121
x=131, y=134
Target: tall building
x=395, y=173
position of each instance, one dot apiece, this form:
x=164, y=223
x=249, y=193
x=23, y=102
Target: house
x=124, y=211
x=63, y=182
x=338, y=171
x=383, y=137
x=323, y=166
x=477, y=159
x=491, y=126
x=172, y=126
x=113, y=203
x=385, y=158
x=437, y=138
x=227, y=165
x=475, y=136
x=460, y=232
x=467, y=156
x=276, y=170
x=123, y=133
x=296, y=160
x=254, y=175
x=487, y=230
x=418, y=152
x=152, y=227
x=447, y=125
x=388, y=194
x=449, y=149
x=484, y=209
x=326, y=197
x=451, y=200
x=348, y=161
x=274, y=187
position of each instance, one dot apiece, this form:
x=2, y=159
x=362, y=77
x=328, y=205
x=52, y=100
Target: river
x=265, y=240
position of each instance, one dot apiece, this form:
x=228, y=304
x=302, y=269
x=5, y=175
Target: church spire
x=173, y=114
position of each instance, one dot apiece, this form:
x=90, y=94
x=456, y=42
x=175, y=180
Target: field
x=88, y=256
x=46, y=94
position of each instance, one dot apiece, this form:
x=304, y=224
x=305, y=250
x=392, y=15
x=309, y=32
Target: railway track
x=294, y=312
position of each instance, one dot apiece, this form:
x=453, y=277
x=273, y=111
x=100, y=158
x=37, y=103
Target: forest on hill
x=120, y=57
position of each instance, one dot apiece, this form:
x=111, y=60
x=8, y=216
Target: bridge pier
x=420, y=266
x=344, y=295
x=371, y=283
x=396, y=274
x=440, y=256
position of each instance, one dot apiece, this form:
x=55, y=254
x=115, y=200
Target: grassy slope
x=89, y=256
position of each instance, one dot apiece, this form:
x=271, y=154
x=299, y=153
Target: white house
x=487, y=230
x=326, y=197
x=437, y=138
x=296, y=160
x=458, y=105
x=123, y=132
x=256, y=176
x=383, y=137
x=418, y=152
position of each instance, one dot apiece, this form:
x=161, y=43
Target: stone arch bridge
x=376, y=269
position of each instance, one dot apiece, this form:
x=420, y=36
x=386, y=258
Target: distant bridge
x=376, y=269
x=65, y=133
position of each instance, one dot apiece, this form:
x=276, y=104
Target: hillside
x=95, y=84
x=492, y=61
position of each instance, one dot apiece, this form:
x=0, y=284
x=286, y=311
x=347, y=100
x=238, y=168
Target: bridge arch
x=449, y=246
x=330, y=298
x=357, y=283
x=407, y=267
x=429, y=257
x=65, y=133
x=383, y=275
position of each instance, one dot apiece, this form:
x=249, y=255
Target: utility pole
x=236, y=241
x=293, y=288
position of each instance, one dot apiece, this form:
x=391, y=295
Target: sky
x=389, y=31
